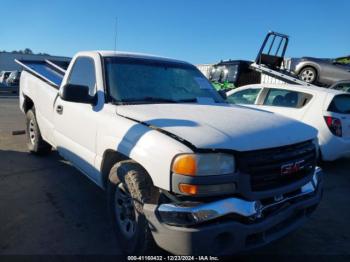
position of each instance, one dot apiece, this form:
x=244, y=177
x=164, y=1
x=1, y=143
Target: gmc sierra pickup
x=181, y=168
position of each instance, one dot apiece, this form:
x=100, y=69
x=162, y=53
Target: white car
x=3, y=76
x=325, y=109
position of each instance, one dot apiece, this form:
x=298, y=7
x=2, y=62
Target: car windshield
x=343, y=87
x=136, y=80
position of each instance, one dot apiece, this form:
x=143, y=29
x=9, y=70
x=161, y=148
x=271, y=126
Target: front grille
x=265, y=167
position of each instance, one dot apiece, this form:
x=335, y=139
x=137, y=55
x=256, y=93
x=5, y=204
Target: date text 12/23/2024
x=173, y=258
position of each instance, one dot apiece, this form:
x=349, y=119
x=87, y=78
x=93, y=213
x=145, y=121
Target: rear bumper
x=335, y=148
x=226, y=236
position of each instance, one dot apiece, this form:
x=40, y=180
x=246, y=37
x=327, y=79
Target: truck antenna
x=116, y=34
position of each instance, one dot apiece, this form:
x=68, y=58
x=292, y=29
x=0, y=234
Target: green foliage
x=222, y=86
x=26, y=51
x=343, y=60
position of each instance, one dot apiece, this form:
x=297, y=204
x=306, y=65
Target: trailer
x=271, y=61
x=270, y=67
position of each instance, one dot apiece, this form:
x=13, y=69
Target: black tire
x=308, y=74
x=320, y=162
x=35, y=142
x=136, y=185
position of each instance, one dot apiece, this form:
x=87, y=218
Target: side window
x=83, y=73
x=287, y=98
x=247, y=96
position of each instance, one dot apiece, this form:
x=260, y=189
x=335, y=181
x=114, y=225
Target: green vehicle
x=233, y=73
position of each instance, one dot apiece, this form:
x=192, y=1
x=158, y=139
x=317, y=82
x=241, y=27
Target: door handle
x=59, y=109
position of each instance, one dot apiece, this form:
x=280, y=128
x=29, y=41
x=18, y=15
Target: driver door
x=75, y=127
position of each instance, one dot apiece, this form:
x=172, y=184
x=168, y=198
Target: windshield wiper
x=188, y=100
x=154, y=100
x=145, y=99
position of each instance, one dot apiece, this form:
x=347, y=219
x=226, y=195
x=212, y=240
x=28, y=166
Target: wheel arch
x=122, y=139
x=109, y=159
x=312, y=65
x=27, y=104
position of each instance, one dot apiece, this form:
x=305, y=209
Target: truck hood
x=221, y=126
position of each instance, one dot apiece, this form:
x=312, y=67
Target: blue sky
x=193, y=30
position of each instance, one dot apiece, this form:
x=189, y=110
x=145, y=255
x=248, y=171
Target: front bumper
x=207, y=228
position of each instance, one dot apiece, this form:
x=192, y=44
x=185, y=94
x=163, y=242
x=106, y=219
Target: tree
x=28, y=51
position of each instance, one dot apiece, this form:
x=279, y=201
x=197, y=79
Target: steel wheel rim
x=125, y=211
x=308, y=75
x=32, y=132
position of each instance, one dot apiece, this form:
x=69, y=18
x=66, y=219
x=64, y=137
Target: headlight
x=203, y=164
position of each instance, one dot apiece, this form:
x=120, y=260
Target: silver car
x=321, y=71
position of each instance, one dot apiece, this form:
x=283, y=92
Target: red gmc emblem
x=292, y=168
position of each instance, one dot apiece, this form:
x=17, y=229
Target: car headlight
x=203, y=164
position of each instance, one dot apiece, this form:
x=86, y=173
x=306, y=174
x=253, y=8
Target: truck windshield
x=216, y=74
x=232, y=73
x=139, y=80
x=224, y=73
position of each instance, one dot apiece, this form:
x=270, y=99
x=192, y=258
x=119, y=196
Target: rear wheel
x=35, y=142
x=125, y=201
x=308, y=74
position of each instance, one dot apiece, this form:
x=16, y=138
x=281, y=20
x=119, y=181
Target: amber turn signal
x=188, y=189
x=185, y=165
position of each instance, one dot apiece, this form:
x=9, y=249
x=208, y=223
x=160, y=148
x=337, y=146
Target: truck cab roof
x=106, y=53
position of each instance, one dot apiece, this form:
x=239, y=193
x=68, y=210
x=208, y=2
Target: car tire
x=126, y=198
x=35, y=143
x=308, y=74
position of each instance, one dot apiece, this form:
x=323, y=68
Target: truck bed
x=49, y=71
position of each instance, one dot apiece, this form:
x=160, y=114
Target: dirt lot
x=47, y=207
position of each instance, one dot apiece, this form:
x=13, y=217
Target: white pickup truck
x=182, y=169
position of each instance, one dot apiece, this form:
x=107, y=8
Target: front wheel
x=125, y=202
x=308, y=74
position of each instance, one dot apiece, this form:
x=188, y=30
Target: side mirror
x=223, y=94
x=77, y=93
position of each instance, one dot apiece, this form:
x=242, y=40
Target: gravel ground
x=47, y=207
